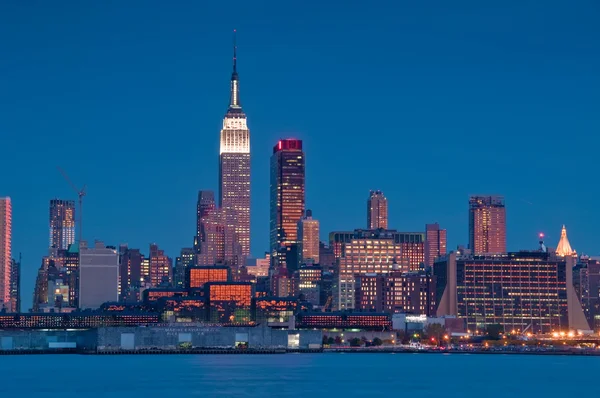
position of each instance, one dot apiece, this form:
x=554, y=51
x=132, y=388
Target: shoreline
x=258, y=351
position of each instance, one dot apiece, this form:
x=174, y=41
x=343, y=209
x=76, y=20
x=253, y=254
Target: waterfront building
x=377, y=211
x=76, y=320
x=62, y=223
x=435, y=243
x=198, y=275
x=161, y=267
x=98, y=275
x=276, y=311
x=524, y=291
x=308, y=239
x=234, y=165
x=396, y=292
x=487, y=225
x=5, y=253
x=344, y=321
x=287, y=192
x=229, y=302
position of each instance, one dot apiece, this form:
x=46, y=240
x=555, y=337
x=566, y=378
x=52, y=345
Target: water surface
x=298, y=375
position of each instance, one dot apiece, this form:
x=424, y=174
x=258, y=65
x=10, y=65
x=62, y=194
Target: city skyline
x=168, y=218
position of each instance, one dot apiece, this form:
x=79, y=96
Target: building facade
x=5, y=252
x=396, y=292
x=487, y=225
x=287, y=192
x=234, y=165
x=523, y=291
x=130, y=273
x=435, y=243
x=197, y=276
x=15, y=285
x=98, y=275
x=412, y=244
x=62, y=223
x=363, y=256
x=377, y=211
x=161, y=267
x=205, y=206
x=308, y=239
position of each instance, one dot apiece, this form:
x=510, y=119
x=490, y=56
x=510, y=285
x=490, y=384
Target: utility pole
x=80, y=194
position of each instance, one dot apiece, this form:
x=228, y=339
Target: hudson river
x=298, y=375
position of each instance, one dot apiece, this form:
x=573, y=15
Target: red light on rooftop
x=280, y=144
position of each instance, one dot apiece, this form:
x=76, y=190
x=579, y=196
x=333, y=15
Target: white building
x=98, y=275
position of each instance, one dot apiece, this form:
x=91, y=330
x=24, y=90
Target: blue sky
x=429, y=101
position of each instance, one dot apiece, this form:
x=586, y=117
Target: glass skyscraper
x=287, y=192
x=62, y=223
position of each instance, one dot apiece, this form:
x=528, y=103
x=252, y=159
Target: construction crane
x=80, y=195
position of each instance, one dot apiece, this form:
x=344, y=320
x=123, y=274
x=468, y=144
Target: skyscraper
x=5, y=252
x=62, y=223
x=435, y=243
x=206, y=205
x=308, y=238
x=15, y=285
x=234, y=164
x=130, y=273
x=161, y=267
x=287, y=192
x=377, y=211
x=487, y=225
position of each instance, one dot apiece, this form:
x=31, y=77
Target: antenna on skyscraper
x=80, y=194
x=234, y=51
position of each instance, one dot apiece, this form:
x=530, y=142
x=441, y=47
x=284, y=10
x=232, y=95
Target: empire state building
x=234, y=165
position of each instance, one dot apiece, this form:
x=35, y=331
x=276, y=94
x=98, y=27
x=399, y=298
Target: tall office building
x=487, y=225
x=206, y=205
x=364, y=255
x=62, y=223
x=377, y=211
x=5, y=252
x=98, y=275
x=287, y=192
x=15, y=285
x=523, y=291
x=234, y=165
x=435, y=243
x=161, y=267
x=308, y=239
x=130, y=273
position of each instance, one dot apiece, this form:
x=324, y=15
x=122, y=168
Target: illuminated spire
x=564, y=248
x=234, y=101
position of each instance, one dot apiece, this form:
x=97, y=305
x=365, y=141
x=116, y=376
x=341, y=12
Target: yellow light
x=555, y=334
x=571, y=334
x=562, y=334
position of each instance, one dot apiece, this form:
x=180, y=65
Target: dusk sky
x=428, y=101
